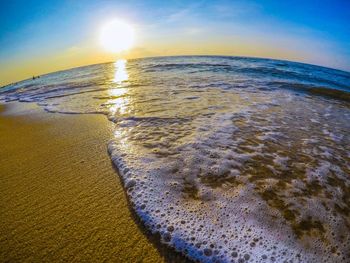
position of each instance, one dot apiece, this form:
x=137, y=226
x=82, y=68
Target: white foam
x=209, y=209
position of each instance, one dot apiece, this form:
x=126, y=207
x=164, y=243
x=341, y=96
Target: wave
x=314, y=90
x=277, y=69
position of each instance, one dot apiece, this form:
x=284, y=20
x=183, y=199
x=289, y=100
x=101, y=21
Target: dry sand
x=61, y=198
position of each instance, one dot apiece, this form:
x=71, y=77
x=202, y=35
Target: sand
x=61, y=198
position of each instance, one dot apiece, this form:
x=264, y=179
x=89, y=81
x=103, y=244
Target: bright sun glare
x=117, y=36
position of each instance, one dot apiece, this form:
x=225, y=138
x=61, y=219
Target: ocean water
x=229, y=159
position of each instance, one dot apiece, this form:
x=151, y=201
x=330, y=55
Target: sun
x=117, y=36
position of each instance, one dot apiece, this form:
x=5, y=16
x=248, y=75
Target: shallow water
x=230, y=159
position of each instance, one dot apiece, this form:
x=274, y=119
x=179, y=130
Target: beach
x=228, y=159
x=62, y=199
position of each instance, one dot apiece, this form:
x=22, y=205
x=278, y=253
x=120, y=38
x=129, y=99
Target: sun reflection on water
x=119, y=100
x=121, y=73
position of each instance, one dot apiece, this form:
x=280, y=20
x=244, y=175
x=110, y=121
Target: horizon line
x=169, y=56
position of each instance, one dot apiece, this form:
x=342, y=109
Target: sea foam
x=238, y=185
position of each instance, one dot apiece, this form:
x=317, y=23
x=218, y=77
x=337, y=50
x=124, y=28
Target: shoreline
x=62, y=199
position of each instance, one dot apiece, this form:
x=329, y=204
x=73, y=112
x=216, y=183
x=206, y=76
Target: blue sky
x=41, y=36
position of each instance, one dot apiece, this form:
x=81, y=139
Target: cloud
x=226, y=9
x=179, y=15
x=184, y=13
x=194, y=31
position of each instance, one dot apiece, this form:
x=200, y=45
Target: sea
x=227, y=159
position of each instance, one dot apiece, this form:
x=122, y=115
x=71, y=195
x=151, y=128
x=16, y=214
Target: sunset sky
x=38, y=37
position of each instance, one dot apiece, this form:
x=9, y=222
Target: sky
x=38, y=37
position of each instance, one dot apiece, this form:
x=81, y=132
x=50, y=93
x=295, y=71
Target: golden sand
x=61, y=198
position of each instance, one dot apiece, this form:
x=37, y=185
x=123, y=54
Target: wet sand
x=61, y=198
